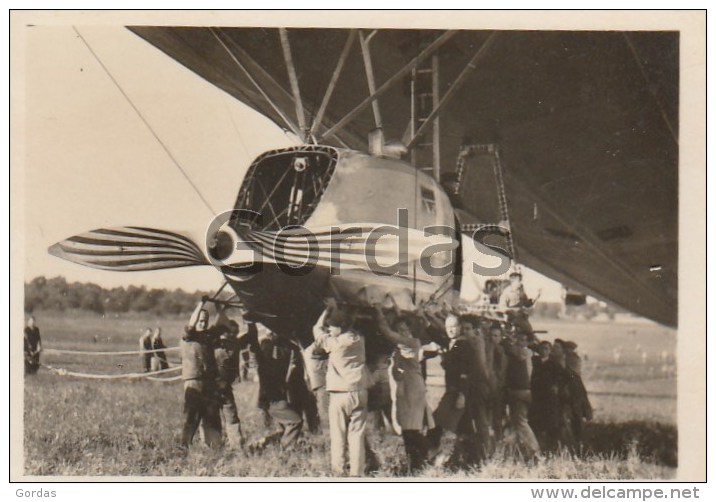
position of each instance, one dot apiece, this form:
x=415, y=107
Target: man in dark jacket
x=32, y=347
x=552, y=412
x=279, y=365
x=579, y=400
x=482, y=384
x=519, y=370
x=226, y=353
x=199, y=372
x=497, y=361
x=454, y=410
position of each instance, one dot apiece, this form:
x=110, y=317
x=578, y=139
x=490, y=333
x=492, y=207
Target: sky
x=92, y=162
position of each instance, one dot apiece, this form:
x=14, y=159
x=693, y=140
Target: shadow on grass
x=654, y=442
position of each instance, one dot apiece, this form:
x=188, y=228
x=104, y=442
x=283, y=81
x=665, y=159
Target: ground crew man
x=515, y=302
x=347, y=385
x=518, y=378
x=159, y=357
x=226, y=353
x=199, y=372
x=145, y=348
x=32, y=347
x=279, y=364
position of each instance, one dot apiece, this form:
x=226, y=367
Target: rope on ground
x=166, y=379
x=108, y=353
x=151, y=374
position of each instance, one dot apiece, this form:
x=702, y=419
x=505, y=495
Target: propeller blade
x=128, y=249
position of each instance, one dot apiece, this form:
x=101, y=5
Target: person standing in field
x=279, y=367
x=32, y=346
x=518, y=380
x=199, y=372
x=247, y=358
x=482, y=383
x=226, y=353
x=145, y=349
x=347, y=384
x=544, y=407
x=572, y=359
x=159, y=357
x=316, y=363
x=497, y=359
x=578, y=398
x=410, y=405
x=558, y=431
x=453, y=411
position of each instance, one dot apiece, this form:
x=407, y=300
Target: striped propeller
x=127, y=249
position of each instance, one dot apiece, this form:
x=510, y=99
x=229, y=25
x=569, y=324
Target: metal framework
x=471, y=65
x=306, y=187
x=368, y=64
x=389, y=83
x=436, y=121
x=332, y=84
x=293, y=79
x=289, y=123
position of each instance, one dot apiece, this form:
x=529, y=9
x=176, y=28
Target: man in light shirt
x=515, y=302
x=347, y=384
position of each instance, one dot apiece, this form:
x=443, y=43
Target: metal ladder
x=424, y=98
x=502, y=198
x=468, y=150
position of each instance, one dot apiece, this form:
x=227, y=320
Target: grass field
x=75, y=426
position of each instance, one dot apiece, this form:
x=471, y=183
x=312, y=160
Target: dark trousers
x=304, y=401
x=32, y=363
x=479, y=410
x=465, y=451
x=526, y=442
x=416, y=449
x=230, y=414
x=201, y=406
x=147, y=361
x=163, y=364
x=497, y=413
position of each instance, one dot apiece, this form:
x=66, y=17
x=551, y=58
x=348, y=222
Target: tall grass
x=131, y=428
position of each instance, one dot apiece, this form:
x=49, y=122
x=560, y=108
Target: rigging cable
x=415, y=166
x=236, y=127
x=164, y=146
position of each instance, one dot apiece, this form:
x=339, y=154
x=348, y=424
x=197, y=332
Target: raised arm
x=318, y=331
x=195, y=314
x=384, y=329
x=220, y=319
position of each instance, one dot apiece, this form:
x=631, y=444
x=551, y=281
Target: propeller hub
x=221, y=245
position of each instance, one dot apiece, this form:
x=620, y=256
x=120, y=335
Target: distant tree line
x=58, y=294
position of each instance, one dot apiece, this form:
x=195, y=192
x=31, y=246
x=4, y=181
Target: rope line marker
x=150, y=375
x=108, y=353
